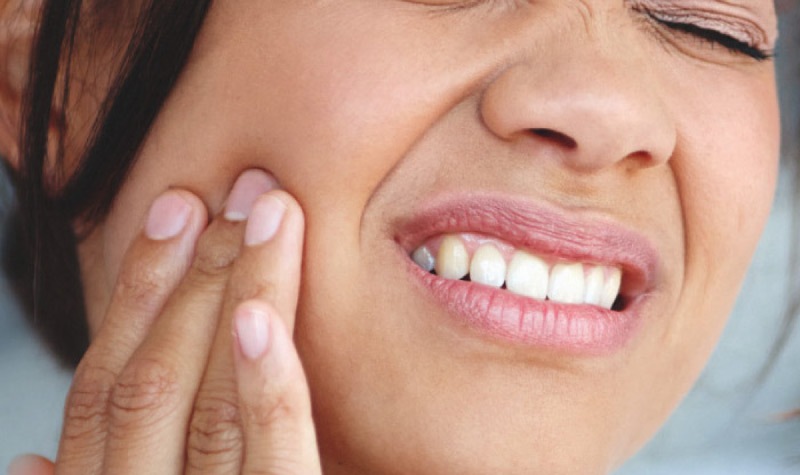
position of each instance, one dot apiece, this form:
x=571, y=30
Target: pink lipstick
x=554, y=237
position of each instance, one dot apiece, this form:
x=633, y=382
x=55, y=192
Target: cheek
x=725, y=168
x=329, y=133
x=337, y=129
x=726, y=176
x=727, y=190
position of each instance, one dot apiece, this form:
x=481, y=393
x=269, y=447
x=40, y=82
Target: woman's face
x=593, y=135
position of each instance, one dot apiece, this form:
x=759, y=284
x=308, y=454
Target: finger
x=269, y=270
x=31, y=465
x=273, y=393
x=153, y=397
x=274, y=252
x=151, y=269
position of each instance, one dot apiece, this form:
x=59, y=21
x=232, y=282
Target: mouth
x=529, y=275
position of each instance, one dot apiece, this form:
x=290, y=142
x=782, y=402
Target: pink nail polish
x=264, y=221
x=252, y=332
x=248, y=187
x=168, y=216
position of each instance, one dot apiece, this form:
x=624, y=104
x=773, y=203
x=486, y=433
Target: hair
x=40, y=246
x=40, y=249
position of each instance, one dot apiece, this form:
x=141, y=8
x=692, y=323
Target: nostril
x=561, y=139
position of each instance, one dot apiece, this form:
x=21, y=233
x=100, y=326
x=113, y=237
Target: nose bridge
x=581, y=86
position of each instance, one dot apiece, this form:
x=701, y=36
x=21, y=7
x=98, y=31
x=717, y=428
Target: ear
x=17, y=27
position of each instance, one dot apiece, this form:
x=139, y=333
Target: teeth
x=452, y=262
x=595, y=282
x=488, y=266
x=528, y=275
x=611, y=289
x=424, y=258
x=566, y=283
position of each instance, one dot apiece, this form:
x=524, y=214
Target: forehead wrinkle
x=594, y=13
x=589, y=14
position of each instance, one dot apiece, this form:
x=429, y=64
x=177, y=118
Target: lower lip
x=502, y=315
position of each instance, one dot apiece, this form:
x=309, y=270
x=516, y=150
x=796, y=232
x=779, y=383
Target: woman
x=506, y=238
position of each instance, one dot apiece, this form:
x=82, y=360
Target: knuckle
x=215, y=256
x=215, y=435
x=141, y=286
x=280, y=463
x=87, y=402
x=145, y=392
x=277, y=411
x=214, y=261
x=249, y=289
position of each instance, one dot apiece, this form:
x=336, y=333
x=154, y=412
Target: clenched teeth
x=423, y=258
x=524, y=274
x=528, y=275
x=452, y=261
x=488, y=266
x=567, y=284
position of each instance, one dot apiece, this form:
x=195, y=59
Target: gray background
x=726, y=425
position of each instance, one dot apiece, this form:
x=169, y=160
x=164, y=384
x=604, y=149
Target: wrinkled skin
x=364, y=110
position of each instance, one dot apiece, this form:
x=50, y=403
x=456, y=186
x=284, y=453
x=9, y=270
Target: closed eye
x=716, y=37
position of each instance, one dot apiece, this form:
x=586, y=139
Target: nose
x=577, y=103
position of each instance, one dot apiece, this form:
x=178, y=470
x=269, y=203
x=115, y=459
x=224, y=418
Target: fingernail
x=252, y=332
x=24, y=465
x=265, y=221
x=18, y=466
x=248, y=187
x=169, y=214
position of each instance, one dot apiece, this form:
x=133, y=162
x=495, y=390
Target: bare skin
x=365, y=111
x=179, y=300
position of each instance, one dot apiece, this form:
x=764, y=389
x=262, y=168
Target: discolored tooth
x=528, y=275
x=613, y=281
x=452, y=261
x=595, y=281
x=488, y=266
x=423, y=258
x=566, y=283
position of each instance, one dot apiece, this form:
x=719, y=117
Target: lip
x=499, y=314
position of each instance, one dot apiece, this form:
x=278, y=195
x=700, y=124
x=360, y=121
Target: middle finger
x=153, y=398
x=270, y=273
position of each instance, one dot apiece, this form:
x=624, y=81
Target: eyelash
x=703, y=34
x=714, y=37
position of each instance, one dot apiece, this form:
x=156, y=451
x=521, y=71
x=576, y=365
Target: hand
x=165, y=387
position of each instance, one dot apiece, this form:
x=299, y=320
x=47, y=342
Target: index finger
x=151, y=270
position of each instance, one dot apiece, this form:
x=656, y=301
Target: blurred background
x=733, y=422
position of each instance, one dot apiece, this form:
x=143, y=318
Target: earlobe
x=17, y=28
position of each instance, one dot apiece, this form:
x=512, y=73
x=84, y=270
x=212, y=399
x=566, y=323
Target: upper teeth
x=525, y=274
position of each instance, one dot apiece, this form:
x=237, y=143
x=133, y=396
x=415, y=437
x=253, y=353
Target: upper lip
x=540, y=229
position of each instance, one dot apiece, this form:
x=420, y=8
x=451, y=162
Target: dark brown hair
x=40, y=247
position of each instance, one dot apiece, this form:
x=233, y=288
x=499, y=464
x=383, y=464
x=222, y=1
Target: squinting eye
x=712, y=36
x=459, y=4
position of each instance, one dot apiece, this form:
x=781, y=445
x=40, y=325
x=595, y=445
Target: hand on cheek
x=274, y=402
x=197, y=340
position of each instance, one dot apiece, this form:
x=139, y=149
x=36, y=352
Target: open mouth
x=531, y=275
x=491, y=262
